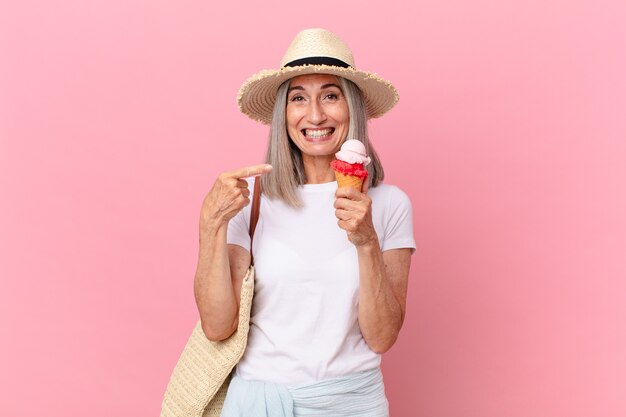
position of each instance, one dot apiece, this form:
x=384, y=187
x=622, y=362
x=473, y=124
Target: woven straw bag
x=199, y=382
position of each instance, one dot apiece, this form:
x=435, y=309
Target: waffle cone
x=349, y=181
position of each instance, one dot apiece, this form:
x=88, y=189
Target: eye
x=331, y=97
x=296, y=98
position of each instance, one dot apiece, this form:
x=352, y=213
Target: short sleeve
x=398, y=229
x=237, y=233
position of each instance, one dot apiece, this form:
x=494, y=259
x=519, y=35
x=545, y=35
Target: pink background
x=116, y=116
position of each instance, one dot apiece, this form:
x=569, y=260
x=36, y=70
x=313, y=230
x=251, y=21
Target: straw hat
x=314, y=51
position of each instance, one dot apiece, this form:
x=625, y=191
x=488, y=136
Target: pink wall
x=115, y=117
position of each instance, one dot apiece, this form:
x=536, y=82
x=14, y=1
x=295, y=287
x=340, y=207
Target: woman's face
x=317, y=114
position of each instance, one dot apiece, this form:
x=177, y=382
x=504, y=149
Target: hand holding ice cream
x=353, y=207
x=349, y=165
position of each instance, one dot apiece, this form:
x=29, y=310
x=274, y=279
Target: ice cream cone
x=349, y=181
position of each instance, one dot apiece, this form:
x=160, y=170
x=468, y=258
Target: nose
x=316, y=114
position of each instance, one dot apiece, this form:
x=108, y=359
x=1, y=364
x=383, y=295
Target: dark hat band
x=317, y=60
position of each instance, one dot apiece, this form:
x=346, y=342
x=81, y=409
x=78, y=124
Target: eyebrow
x=325, y=86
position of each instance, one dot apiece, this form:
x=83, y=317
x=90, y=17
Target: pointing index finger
x=250, y=171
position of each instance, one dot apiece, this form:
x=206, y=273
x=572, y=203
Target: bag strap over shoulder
x=254, y=214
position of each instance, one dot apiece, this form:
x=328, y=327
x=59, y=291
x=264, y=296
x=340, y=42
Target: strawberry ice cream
x=349, y=165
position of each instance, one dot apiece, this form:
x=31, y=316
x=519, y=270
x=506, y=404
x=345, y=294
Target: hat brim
x=257, y=95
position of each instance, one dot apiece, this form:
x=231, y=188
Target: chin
x=320, y=151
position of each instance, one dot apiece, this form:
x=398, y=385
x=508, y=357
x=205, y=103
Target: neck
x=317, y=169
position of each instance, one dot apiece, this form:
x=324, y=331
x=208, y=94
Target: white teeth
x=317, y=133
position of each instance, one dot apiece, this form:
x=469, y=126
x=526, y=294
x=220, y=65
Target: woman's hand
x=354, y=213
x=228, y=196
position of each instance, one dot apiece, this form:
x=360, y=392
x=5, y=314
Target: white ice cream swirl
x=353, y=152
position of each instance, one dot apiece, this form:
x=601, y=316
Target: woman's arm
x=383, y=276
x=217, y=284
x=222, y=267
x=382, y=294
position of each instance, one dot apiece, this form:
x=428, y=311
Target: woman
x=331, y=263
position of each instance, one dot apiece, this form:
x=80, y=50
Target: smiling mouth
x=316, y=134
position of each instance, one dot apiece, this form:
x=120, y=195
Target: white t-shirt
x=304, y=322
